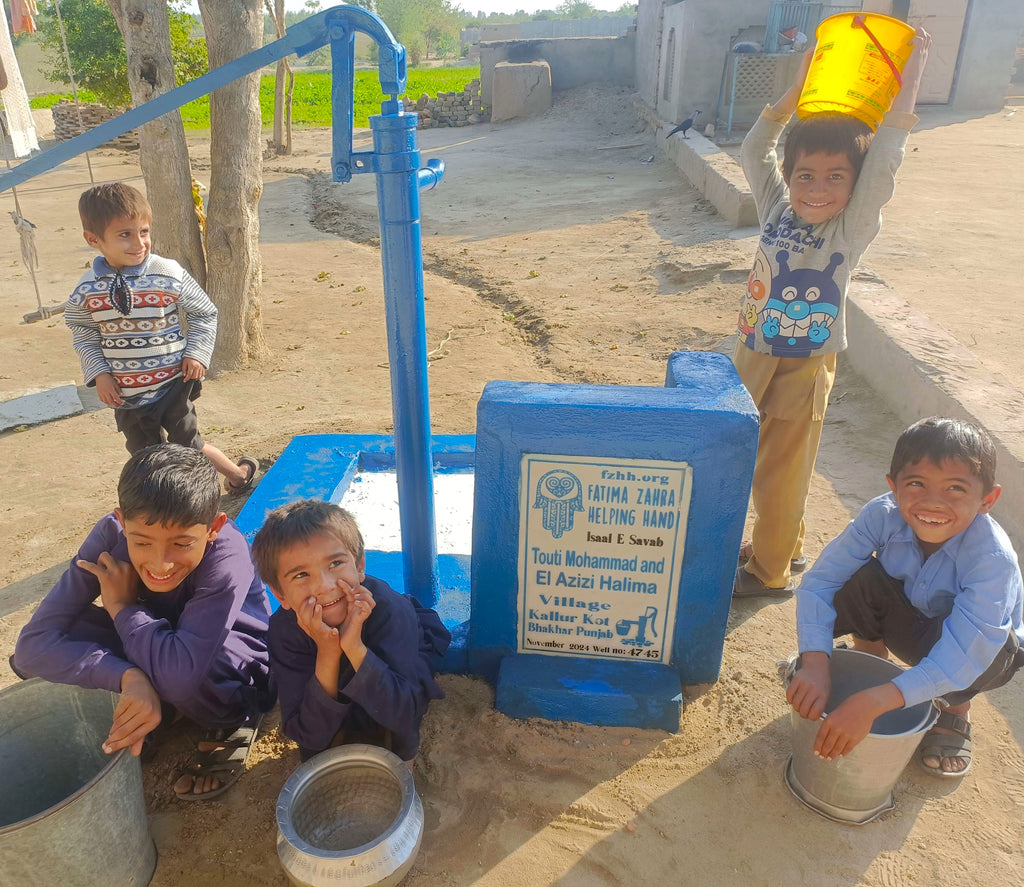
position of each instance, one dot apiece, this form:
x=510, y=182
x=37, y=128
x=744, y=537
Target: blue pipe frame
x=395, y=160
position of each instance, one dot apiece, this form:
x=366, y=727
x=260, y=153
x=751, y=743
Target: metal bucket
x=856, y=787
x=349, y=815
x=69, y=814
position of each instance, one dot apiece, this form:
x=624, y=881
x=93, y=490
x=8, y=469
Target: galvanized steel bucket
x=857, y=787
x=350, y=815
x=69, y=814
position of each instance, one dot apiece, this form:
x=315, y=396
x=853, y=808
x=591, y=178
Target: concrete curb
x=921, y=370
x=711, y=171
x=916, y=366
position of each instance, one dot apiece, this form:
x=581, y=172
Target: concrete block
x=520, y=90
x=39, y=407
x=726, y=188
x=691, y=155
x=601, y=514
x=602, y=693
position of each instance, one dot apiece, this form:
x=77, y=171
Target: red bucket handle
x=858, y=22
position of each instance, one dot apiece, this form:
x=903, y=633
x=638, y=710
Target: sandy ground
x=554, y=252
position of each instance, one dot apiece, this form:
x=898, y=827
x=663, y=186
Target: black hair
x=827, y=133
x=101, y=204
x=171, y=485
x=938, y=439
x=299, y=522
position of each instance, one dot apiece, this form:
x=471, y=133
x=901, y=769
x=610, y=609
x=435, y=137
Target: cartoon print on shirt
x=758, y=282
x=803, y=304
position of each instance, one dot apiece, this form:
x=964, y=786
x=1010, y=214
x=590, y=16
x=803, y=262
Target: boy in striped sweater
x=126, y=317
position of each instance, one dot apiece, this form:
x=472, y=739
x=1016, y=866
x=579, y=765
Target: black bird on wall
x=685, y=125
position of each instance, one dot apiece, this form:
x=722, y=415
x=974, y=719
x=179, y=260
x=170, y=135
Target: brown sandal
x=254, y=469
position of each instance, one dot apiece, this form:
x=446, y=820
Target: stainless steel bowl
x=349, y=816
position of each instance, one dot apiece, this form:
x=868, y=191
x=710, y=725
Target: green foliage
x=311, y=101
x=574, y=9
x=188, y=50
x=97, y=49
x=50, y=99
x=94, y=44
x=419, y=25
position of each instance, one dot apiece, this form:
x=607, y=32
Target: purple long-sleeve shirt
x=392, y=688
x=202, y=645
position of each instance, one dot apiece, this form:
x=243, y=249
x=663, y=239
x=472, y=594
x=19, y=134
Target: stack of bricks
x=70, y=120
x=449, y=108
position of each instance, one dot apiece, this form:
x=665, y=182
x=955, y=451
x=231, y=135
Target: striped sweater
x=144, y=350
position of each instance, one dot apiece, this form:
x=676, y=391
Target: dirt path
x=553, y=253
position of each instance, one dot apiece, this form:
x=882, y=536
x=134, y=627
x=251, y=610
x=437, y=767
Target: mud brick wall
x=449, y=108
x=70, y=120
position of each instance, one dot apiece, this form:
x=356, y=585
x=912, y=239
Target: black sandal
x=222, y=753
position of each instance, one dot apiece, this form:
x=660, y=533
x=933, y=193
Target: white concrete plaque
x=601, y=551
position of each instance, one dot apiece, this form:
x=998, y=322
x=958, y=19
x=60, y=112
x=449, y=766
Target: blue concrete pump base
x=591, y=691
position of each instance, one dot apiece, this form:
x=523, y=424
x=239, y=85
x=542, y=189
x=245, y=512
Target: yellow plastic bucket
x=857, y=66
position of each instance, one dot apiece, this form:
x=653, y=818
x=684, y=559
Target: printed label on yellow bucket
x=855, y=66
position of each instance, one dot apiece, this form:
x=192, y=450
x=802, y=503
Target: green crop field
x=311, y=99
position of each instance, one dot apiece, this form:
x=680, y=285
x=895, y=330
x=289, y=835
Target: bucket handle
x=858, y=22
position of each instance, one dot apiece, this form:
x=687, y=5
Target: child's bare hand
x=108, y=391
x=360, y=606
x=791, y=97
x=844, y=728
x=310, y=618
x=119, y=583
x=192, y=369
x=808, y=691
x=913, y=71
x=137, y=713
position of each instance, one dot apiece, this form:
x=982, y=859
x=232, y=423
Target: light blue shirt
x=973, y=581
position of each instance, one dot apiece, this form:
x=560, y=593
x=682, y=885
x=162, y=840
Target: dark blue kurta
x=391, y=689
x=203, y=645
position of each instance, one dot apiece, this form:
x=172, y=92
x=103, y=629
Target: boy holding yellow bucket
x=817, y=215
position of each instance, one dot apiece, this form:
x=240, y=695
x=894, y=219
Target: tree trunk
x=163, y=151
x=283, y=80
x=233, y=28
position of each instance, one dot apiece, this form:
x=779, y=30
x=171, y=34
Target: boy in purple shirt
x=926, y=573
x=182, y=623
x=350, y=655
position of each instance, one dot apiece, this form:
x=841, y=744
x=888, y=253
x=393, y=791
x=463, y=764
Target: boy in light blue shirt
x=925, y=573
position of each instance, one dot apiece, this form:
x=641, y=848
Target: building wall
x=648, y=50
x=574, y=61
x=987, y=53
x=607, y=26
x=702, y=32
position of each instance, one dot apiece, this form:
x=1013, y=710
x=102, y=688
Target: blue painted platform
x=321, y=466
x=609, y=694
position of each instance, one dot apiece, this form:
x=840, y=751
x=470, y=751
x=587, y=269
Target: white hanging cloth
x=19, y=116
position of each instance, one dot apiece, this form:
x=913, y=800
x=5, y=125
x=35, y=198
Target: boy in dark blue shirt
x=182, y=621
x=351, y=656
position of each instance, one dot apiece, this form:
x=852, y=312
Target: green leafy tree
x=94, y=45
x=188, y=49
x=419, y=25
x=97, y=51
x=577, y=9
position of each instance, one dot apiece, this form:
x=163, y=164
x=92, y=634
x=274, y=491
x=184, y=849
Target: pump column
x=396, y=161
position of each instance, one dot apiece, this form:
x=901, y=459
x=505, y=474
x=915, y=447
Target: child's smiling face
x=322, y=568
x=820, y=185
x=164, y=554
x=939, y=501
x=125, y=242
